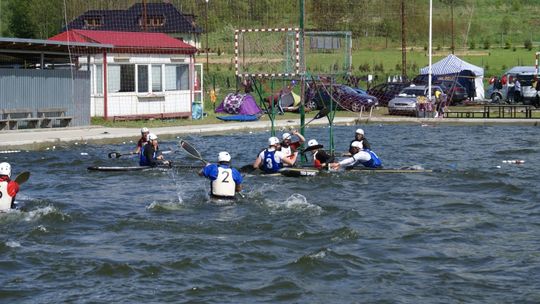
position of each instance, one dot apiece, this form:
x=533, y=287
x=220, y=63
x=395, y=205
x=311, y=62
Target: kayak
x=307, y=172
x=139, y=168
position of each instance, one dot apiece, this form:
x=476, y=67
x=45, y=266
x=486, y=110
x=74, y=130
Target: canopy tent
x=469, y=75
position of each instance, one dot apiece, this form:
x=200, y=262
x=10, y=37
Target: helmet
x=5, y=169
x=224, y=157
x=144, y=130
x=152, y=136
x=359, y=131
x=272, y=141
x=357, y=144
x=312, y=142
x=286, y=136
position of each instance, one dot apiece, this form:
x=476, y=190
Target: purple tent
x=238, y=104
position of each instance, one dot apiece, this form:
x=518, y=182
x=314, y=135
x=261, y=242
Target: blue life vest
x=269, y=162
x=374, y=162
x=146, y=162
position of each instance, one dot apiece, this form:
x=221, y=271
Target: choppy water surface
x=467, y=234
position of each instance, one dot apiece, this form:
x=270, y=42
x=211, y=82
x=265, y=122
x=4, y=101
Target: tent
x=239, y=104
x=469, y=75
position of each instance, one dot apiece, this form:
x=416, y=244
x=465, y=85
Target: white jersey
x=5, y=198
x=224, y=184
x=286, y=151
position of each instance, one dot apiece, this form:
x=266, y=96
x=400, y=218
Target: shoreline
x=37, y=139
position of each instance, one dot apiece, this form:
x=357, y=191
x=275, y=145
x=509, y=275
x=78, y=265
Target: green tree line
x=475, y=21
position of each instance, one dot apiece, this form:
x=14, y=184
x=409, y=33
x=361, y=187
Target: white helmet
x=359, y=131
x=5, y=169
x=286, y=136
x=357, y=144
x=272, y=141
x=144, y=130
x=224, y=157
x=312, y=142
x=152, y=136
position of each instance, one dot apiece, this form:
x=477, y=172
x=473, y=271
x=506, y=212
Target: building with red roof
x=142, y=75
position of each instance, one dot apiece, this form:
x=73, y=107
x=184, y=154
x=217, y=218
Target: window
x=156, y=78
x=142, y=78
x=176, y=77
x=121, y=78
x=92, y=21
x=153, y=21
x=99, y=79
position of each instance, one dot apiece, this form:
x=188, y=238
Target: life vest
x=374, y=162
x=5, y=199
x=224, y=185
x=287, y=151
x=270, y=165
x=146, y=162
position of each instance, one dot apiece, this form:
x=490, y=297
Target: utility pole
x=452, y=24
x=206, y=29
x=403, y=43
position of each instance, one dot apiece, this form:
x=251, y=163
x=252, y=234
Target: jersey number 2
x=226, y=178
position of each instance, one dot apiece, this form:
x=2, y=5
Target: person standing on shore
x=517, y=91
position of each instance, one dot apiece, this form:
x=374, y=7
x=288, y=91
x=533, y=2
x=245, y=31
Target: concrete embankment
x=36, y=139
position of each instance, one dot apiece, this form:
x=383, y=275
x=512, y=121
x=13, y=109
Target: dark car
x=386, y=91
x=453, y=90
x=343, y=97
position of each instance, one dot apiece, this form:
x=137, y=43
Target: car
x=454, y=90
x=498, y=92
x=386, y=91
x=405, y=101
x=343, y=97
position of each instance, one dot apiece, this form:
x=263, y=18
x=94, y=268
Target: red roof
x=128, y=41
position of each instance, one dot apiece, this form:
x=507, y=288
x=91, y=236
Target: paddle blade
x=247, y=169
x=322, y=113
x=114, y=155
x=192, y=151
x=22, y=177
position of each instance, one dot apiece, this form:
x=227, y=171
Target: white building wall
x=142, y=103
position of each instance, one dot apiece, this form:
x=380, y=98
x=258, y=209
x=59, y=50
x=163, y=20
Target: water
x=466, y=234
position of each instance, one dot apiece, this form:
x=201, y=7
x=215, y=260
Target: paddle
x=322, y=113
x=192, y=151
x=247, y=169
x=22, y=177
x=115, y=154
x=118, y=154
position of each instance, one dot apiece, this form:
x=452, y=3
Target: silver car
x=405, y=101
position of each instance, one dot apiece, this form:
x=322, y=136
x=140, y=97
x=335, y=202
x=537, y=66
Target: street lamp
x=206, y=29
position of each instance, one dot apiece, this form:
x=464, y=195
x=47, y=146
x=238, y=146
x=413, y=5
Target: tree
x=505, y=25
x=19, y=24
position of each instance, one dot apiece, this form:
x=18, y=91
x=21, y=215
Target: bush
x=513, y=49
x=528, y=44
x=219, y=51
x=472, y=45
x=487, y=44
x=507, y=45
x=398, y=67
x=425, y=47
x=504, y=67
x=438, y=47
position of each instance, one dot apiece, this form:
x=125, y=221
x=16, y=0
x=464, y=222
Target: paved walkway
x=35, y=139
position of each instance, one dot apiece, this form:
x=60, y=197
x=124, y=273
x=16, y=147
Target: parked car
x=386, y=91
x=405, y=101
x=453, y=90
x=498, y=91
x=343, y=97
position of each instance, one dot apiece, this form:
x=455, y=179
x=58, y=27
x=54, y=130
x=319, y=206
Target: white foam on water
x=165, y=205
x=295, y=202
x=38, y=213
x=13, y=244
x=319, y=255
